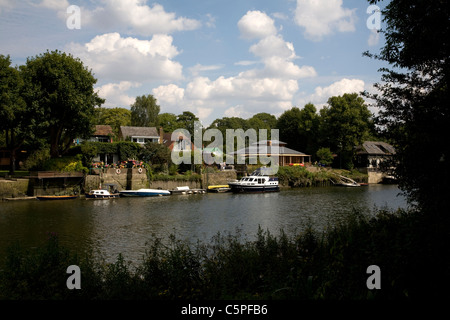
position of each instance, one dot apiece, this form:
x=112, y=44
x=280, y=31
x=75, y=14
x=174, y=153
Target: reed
x=410, y=247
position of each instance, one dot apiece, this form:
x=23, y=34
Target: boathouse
x=278, y=148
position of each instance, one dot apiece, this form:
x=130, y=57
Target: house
x=372, y=157
x=103, y=133
x=373, y=154
x=140, y=135
x=267, y=148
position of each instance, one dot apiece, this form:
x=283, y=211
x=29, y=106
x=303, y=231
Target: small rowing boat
x=68, y=197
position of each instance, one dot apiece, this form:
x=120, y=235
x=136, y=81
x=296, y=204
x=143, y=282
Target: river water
x=125, y=225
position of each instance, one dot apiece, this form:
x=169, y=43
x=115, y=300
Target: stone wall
x=13, y=188
x=218, y=177
x=125, y=179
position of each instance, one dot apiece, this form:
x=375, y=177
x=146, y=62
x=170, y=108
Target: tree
x=299, y=128
x=325, y=156
x=187, y=120
x=414, y=101
x=158, y=155
x=345, y=123
x=61, y=91
x=168, y=121
x=288, y=126
x=115, y=117
x=16, y=118
x=308, y=128
x=144, y=111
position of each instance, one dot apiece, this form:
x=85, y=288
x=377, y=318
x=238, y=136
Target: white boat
x=258, y=181
x=144, y=193
x=101, y=194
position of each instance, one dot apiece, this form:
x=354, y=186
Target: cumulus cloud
x=321, y=94
x=271, y=86
x=256, y=24
x=115, y=93
x=130, y=59
x=127, y=16
x=323, y=17
x=137, y=17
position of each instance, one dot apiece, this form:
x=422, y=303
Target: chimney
x=161, y=135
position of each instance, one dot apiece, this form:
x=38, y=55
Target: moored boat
x=258, y=181
x=144, y=193
x=219, y=188
x=67, y=197
x=101, y=194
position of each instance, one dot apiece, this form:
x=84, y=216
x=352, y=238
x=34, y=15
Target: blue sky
x=214, y=58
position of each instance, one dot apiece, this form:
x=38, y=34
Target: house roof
x=138, y=131
x=280, y=150
x=375, y=148
x=103, y=130
x=268, y=142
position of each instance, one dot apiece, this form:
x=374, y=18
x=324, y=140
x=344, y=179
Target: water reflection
x=125, y=225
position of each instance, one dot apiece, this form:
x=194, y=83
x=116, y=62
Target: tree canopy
x=16, y=118
x=144, y=111
x=414, y=97
x=60, y=90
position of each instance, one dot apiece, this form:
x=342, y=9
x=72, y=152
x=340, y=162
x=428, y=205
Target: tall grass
x=410, y=248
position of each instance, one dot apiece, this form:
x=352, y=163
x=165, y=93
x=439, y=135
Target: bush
x=410, y=247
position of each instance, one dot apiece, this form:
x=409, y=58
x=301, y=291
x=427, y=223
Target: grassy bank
x=409, y=247
x=301, y=177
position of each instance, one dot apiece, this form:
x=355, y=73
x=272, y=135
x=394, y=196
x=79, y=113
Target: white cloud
x=273, y=45
x=323, y=17
x=130, y=59
x=270, y=87
x=374, y=38
x=171, y=95
x=321, y=94
x=137, y=17
x=115, y=93
x=127, y=16
x=256, y=24
x=195, y=70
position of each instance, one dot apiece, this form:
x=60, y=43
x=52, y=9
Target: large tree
x=414, y=100
x=15, y=117
x=345, y=123
x=299, y=128
x=61, y=91
x=144, y=111
x=168, y=121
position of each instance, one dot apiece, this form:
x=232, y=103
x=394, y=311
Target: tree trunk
x=55, y=135
x=12, y=161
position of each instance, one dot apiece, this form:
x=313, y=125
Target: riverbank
x=308, y=265
x=134, y=178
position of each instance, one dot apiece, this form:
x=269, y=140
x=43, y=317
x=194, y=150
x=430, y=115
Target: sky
x=214, y=58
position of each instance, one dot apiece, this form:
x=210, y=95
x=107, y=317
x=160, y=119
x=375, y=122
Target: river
x=125, y=225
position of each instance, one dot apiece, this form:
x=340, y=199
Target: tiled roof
x=103, y=130
x=375, y=148
x=139, y=131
